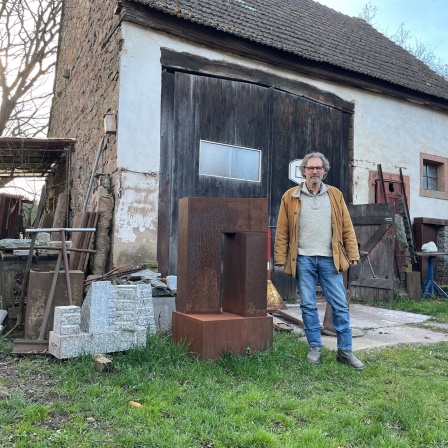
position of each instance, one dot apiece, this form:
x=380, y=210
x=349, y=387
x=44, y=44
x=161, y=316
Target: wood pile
x=82, y=240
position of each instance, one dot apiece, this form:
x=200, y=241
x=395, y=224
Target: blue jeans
x=310, y=272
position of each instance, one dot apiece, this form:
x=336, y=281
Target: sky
x=427, y=20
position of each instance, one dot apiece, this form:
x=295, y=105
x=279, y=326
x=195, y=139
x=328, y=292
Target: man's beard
x=315, y=180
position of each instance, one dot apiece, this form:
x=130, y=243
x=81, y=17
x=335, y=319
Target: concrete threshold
x=381, y=328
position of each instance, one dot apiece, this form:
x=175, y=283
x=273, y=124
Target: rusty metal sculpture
x=221, y=290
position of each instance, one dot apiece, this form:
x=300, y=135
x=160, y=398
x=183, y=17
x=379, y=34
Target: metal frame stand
x=430, y=284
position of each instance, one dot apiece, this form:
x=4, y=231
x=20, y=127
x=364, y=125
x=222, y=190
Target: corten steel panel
x=202, y=221
x=210, y=336
x=244, y=276
x=38, y=290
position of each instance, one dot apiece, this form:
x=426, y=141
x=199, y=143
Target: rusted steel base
x=210, y=336
x=29, y=347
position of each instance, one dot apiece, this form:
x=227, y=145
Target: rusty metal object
x=38, y=294
x=202, y=221
x=50, y=297
x=210, y=336
x=232, y=233
x=28, y=347
x=244, y=274
x=66, y=268
x=290, y=317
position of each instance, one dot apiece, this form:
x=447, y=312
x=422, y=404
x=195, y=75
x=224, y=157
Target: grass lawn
x=269, y=399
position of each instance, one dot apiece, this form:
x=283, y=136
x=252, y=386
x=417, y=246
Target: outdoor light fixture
x=110, y=123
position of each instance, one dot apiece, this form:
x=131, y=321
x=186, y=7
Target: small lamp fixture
x=110, y=123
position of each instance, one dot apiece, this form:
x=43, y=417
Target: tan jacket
x=343, y=241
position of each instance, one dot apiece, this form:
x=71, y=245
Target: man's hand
x=353, y=262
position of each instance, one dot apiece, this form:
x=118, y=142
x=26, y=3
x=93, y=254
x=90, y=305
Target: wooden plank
x=368, y=220
x=6, y=289
x=414, y=285
x=89, y=240
x=376, y=237
x=79, y=221
x=380, y=283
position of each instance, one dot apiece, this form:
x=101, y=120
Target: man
x=315, y=242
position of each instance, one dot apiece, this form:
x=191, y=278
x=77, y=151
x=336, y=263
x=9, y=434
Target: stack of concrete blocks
x=111, y=319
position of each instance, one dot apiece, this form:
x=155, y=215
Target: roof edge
x=157, y=20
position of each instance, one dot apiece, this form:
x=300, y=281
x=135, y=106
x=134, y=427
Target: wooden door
x=214, y=110
x=372, y=280
x=281, y=125
x=300, y=126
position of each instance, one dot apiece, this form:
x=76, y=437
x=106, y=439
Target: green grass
x=269, y=399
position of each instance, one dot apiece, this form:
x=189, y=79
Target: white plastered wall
x=387, y=131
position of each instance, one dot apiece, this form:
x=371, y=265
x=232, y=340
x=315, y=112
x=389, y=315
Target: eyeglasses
x=310, y=169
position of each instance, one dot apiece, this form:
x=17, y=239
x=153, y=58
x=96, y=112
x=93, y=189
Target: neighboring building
x=196, y=83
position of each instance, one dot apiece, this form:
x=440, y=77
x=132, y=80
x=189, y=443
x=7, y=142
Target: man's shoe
x=314, y=355
x=347, y=357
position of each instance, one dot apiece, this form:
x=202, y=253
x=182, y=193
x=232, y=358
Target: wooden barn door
x=300, y=126
x=282, y=126
x=212, y=110
x=373, y=279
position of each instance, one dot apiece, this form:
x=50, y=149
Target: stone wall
x=86, y=87
x=442, y=262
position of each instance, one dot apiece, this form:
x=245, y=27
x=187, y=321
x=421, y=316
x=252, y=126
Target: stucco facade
x=387, y=131
x=117, y=68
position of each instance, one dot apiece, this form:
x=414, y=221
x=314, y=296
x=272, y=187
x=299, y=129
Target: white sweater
x=315, y=223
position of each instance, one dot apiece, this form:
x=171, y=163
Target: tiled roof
x=312, y=31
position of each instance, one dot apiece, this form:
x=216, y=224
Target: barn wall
x=86, y=87
x=386, y=131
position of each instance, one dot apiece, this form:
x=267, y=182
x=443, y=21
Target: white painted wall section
x=387, y=131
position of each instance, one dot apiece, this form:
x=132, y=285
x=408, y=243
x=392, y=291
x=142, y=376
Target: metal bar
x=66, y=269
x=68, y=249
x=59, y=229
x=50, y=297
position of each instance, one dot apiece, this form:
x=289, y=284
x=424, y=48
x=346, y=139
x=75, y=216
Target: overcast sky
x=427, y=20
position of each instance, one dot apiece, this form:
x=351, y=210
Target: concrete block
x=67, y=320
x=102, y=364
x=22, y=253
x=3, y=314
x=163, y=312
x=95, y=310
x=43, y=239
x=70, y=345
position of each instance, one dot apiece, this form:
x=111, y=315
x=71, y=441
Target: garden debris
x=102, y=364
x=280, y=325
x=135, y=404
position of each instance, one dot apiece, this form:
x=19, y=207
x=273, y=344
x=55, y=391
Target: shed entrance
x=257, y=128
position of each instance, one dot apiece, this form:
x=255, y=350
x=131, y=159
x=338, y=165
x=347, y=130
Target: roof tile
x=313, y=31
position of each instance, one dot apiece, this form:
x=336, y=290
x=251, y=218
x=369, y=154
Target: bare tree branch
x=404, y=38
x=28, y=46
